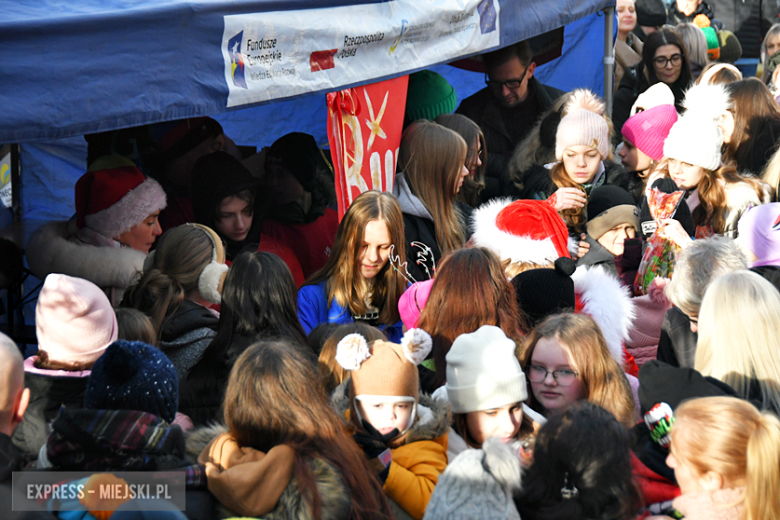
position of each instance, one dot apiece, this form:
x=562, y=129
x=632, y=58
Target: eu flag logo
x=487, y=16
x=236, y=60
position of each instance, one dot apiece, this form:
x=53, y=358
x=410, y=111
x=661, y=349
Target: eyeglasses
x=662, y=61
x=563, y=377
x=510, y=84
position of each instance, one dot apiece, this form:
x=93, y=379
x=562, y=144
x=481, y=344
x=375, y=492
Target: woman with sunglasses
x=663, y=60
x=566, y=359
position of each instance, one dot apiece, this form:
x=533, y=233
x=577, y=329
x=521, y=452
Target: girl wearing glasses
x=566, y=360
x=663, y=60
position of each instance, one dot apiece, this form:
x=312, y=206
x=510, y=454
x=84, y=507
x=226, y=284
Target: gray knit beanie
x=478, y=484
x=483, y=372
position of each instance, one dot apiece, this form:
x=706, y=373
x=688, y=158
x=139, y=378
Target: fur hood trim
x=336, y=501
x=199, y=437
x=506, y=245
x=434, y=416
x=53, y=250
x=609, y=304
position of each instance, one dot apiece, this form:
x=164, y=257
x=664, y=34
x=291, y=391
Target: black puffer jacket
x=48, y=393
x=748, y=20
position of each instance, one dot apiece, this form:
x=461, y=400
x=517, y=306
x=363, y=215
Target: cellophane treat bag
x=661, y=253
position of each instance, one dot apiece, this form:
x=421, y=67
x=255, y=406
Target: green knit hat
x=713, y=44
x=429, y=95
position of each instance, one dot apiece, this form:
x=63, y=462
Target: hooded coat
x=56, y=248
x=236, y=474
x=419, y=456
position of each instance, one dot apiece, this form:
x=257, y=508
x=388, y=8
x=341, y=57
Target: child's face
x=550, y=356
x=581, y=163
x=685, y=176
x=386, y=416
x=503, y=422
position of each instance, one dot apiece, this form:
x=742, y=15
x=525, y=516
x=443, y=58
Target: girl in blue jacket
x=358, y=282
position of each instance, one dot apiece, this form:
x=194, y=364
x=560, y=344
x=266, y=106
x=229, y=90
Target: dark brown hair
x=471, y=133
x=753, y=106
x=470, y=290
x=274, y=397
x=659, y=39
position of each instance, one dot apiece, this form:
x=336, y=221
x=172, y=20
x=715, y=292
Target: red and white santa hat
x=110, y=201
x=521, y=231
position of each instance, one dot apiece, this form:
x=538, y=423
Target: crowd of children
x=598, y=342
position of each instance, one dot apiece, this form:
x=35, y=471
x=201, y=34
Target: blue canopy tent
x=78, y=67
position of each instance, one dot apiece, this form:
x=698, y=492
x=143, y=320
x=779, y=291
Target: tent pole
x=609, y=58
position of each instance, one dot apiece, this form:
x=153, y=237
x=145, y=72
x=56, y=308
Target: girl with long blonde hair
x=566, y=360
x=725, y=455
x=432, y=170
x=358, y=283
x=738, y=342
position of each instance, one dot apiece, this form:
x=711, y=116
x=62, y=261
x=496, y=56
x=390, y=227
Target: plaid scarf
x=118, y=440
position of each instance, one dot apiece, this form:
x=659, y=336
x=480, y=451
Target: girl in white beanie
x=486, y=388
x=716, y=194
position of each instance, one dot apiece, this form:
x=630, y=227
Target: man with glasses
x=507, y=109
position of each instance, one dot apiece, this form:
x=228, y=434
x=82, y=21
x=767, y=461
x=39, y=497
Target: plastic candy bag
x=661, y=253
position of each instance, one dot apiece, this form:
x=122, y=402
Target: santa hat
x=113, y=200
x=521, y=231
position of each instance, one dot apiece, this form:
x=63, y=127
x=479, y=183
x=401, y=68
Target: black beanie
x=610, y=206
x=660, y=382
x=683, y=214
x=214, y=177
x=650, y=13
x=298, y=153
x=542, y=292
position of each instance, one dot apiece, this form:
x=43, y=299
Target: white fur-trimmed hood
x=53, y=250
x=608, y=303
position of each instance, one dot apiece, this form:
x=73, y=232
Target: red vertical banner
x=364, y=130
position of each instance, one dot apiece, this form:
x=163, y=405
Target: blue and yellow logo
x=398, y=40
x=237, y=60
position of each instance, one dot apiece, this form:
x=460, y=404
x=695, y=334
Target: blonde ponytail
x=762, y=499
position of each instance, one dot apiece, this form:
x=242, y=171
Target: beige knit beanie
x=483, y=372
x=582, y=127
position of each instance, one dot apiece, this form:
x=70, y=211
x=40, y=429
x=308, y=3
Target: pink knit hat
x=647, y=130
x=759, y=231
x=413, y=301
x=74, y=320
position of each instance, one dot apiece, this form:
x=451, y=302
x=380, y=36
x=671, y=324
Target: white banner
x=6, y=198
x=281, y=54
